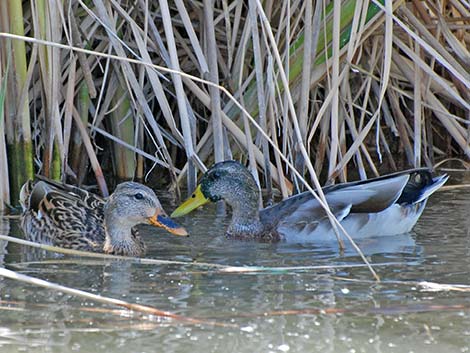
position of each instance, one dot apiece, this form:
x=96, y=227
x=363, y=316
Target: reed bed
x=98, y=89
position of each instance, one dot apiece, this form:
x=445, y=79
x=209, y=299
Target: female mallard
x=70, y=217
x=387, y=205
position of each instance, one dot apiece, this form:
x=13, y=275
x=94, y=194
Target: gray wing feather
x=304, y=210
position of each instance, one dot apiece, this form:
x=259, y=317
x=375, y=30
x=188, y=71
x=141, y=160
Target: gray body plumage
x=386, y=205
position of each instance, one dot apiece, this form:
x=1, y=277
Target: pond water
x=315, y=310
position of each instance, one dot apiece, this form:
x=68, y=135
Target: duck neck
x=245, y=215
x=121, y=237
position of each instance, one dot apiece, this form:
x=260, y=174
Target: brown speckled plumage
x=70, y=217
x=62, y=215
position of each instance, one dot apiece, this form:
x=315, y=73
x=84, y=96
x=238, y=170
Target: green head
x=229, y=181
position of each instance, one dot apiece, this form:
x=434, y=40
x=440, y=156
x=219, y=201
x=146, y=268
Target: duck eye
x=138, y=196
x=215, y=175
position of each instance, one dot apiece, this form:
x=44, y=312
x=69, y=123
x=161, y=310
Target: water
x=330, y=310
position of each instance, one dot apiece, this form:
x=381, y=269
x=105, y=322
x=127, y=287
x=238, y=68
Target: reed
x=339, y=89
x=123, y=127
x=16, y=100
x=76, y=159
x=4, y=186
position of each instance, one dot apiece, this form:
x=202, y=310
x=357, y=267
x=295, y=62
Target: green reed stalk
x=48, y=27
x=122, y=126
x=20, y=151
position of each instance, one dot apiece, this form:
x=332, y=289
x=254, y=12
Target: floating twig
x=213, y=266
x=106, y=300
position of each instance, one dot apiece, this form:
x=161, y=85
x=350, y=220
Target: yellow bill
x=194, y=201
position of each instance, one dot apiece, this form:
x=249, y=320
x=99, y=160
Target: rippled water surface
x=316, y=310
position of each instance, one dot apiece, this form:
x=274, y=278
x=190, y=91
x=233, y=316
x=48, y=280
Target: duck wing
x=63, y=215
x=303, y=213
x=91, y=201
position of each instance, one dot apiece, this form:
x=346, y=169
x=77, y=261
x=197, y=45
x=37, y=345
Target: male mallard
x=387, y=205
x=70, y=217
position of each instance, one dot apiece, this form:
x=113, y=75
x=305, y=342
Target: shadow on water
x=274, y=312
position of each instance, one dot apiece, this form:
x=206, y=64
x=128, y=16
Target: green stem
x=22, y=158
x=122, y=125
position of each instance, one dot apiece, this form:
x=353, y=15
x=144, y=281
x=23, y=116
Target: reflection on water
x=273, y=312
x=4, y=229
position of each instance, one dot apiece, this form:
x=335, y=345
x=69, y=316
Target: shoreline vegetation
x=96, y=90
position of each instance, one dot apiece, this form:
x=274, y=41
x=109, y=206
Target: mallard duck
x=386, y=205
x=70, y=217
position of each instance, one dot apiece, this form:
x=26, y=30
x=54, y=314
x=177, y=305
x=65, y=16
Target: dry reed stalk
x=91, y=154
x=417, y=112
x=273, y=113
x=261, y=96
x=106, y=300
x=334, y=148
x=213, y=74
x=4, y=186
x=78, y=161
x=140, y=152
x=131, y=78
x=47, y=26
x=69, y=104
x=236, y=132
x=180, y=95
x=192, y=45
x=252, y=166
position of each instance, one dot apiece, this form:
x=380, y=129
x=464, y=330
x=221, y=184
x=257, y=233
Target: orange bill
x=163, y=221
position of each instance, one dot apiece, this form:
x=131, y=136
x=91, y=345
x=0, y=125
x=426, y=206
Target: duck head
x=132, y=204
x=229, y=181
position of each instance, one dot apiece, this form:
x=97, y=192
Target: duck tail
x=420, y=186
x=25, y=194
x=428, y=190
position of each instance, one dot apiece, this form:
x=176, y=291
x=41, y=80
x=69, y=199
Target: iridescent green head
x=229, y=181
